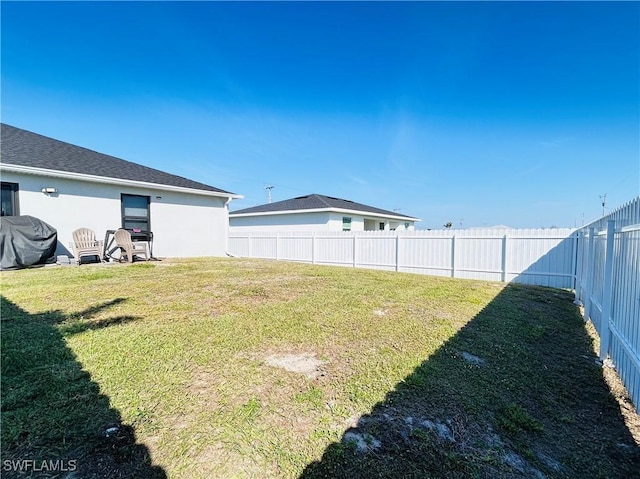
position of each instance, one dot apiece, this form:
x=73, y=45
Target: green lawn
x=434, y=377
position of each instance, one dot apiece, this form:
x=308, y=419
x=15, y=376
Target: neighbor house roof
x=33, y=153
x=315, y=202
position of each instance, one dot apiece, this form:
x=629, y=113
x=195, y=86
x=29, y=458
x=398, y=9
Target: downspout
x=226, y=238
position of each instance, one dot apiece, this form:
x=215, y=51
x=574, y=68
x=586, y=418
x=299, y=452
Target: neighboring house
x=318, y=213
x=71, y=187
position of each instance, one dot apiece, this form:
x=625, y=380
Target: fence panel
x=336, y=250
x=432, y=255
x=625, y=311
x=544, y=257
x=239, y=246
x=614, y=310
x=541, y=260
x=296, y=248
x=479, y=257
x=377, y=252
x=264, y=247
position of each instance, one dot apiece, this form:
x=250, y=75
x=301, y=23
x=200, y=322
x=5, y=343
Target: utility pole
x=269, y=188
x=604, y=202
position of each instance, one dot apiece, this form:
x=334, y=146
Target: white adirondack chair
x=85, y=244
x=130, y=248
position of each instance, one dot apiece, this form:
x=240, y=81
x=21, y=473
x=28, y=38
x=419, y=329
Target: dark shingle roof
x=316, y=202
x=24, y=148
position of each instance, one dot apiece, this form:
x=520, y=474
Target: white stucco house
x=71, y=187
x=317, y=213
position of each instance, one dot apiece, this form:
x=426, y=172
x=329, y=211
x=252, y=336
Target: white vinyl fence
x=543, y=257
x=608, y=284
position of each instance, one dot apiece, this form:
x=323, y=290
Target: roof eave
x=320, y=210
x=30, y=170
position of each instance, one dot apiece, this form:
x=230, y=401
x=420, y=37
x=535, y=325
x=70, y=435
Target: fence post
x=277, y=244
x=589, y=274
x=453, y=256
x=504, y=258
x=313, y=248
x=397, y=251
x=354, y=250
x=577, y=285
x=249, y=252
x=607, y=290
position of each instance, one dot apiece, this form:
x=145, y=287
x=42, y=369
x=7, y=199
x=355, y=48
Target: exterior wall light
x=49, y=190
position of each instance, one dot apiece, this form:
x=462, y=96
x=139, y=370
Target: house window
x=406, y=225
x=10, y=199
x=135, y=212
x=346, y=223
x=381, y=226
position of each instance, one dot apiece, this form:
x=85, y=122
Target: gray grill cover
x=25, y=241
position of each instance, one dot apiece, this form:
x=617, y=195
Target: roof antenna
x=269, y=188
x=604, y=202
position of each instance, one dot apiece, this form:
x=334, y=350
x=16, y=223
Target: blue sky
x=477, y=113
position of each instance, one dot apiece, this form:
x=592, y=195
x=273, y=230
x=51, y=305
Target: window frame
x=346, y=220
x=13, y=188
x=125, y=218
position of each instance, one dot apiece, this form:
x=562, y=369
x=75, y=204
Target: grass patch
x=514, y=419
x=452, y=378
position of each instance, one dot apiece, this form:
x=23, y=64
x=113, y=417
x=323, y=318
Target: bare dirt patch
x=218, y=461
x=202, y=381
x=306, y=364
x=203, y=386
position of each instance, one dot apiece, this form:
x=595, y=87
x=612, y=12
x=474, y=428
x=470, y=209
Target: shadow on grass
x=55, y=422
x=515, y=393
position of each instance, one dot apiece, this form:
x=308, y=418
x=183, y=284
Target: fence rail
x=608, y=285
x=532, y=256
